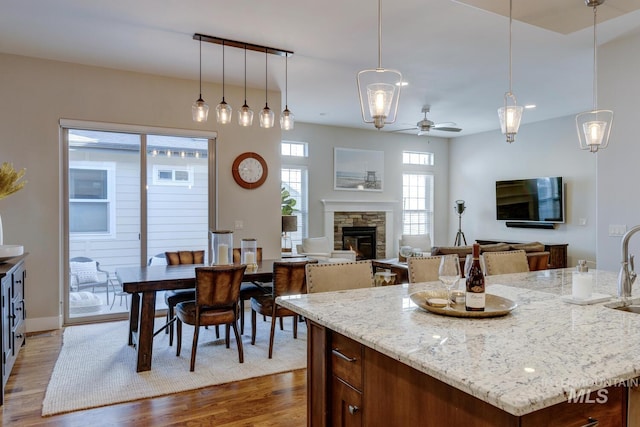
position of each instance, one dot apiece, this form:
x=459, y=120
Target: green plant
x=288, y=203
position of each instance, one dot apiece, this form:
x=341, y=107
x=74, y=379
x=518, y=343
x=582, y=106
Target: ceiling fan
x=425, y=125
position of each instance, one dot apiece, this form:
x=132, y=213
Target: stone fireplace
x=362, y=213
x=362, y=240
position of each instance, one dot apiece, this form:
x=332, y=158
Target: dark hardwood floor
x=274, y=400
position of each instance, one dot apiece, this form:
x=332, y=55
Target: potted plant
x=10, y=182
x=289, y=221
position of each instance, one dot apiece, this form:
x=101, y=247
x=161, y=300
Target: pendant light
x=287, y=119
x=200, y=109
x=379, y=88
x=245, y=114
x=223, y=110
x=266, y=115
x=594, y=127
x=511, y=114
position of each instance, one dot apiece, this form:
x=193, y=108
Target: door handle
x=353, y=409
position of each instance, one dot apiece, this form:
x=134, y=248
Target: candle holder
x=249, y=253
x=221, y=247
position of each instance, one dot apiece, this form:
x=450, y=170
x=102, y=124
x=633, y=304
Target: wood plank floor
x=274, y=400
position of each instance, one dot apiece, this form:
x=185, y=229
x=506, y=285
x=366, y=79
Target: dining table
x=144, y=282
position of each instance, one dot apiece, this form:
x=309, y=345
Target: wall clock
x=249, y=170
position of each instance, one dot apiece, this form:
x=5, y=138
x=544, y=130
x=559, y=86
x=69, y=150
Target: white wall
x=323, y=139
x=36, y=94
x=618, y=167
x=547, y=148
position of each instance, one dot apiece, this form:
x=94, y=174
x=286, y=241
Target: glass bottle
x=475, y=297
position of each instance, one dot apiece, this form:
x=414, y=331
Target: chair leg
x=217, y=331
x=295, y=327
x=194, y=348
x=253, y=327
x=241, y=316
x=281, y=324
x=170, y=313
x=273, y=331
x=179, y=337
x=238, y=341
x=226, y=335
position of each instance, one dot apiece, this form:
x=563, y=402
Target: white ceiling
x=454, y=56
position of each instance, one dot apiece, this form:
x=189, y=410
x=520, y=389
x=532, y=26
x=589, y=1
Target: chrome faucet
x=627, y=275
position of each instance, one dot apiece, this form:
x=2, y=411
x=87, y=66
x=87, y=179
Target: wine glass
x=406, y=251
x=449, y=274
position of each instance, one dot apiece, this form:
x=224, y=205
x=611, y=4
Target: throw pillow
x=86, y=272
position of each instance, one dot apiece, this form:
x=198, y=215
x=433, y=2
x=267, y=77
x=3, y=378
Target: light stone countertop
x=530, y=359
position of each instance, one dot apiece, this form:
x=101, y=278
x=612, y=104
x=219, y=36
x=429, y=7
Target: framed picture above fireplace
x=358, y=170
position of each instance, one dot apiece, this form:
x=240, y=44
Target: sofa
x=321, y=248
x=537, y=257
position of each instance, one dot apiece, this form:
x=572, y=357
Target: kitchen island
x=375, y=358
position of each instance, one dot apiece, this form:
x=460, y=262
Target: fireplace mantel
x=386, y=206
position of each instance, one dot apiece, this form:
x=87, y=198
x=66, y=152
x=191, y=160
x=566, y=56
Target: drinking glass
x=406, y=251
x=449, y=274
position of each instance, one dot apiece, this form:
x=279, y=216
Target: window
x=91, y=198
x=171, y=175
x=294, y=178
x=417, y=193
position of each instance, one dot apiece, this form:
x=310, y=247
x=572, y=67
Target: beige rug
x=96, y=367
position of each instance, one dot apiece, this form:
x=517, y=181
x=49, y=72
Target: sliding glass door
x=131, y=196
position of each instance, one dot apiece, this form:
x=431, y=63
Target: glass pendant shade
x=593, y=129
x=223, y=113
x=510, y=116
x=200, y=111
x=245, y=116
x=379, y=92
x=287, y=120
x=267, y=118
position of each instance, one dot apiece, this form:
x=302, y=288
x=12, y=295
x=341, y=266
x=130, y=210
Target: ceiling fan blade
x=404, y=130
x=446, y=128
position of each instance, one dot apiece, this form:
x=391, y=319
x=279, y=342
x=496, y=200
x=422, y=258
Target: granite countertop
x=534, y=357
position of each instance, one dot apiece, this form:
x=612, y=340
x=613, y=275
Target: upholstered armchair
x=422, y=241
x=86, y=273
x=320, y=248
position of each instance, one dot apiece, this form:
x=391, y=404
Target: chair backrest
x=339, y=276
x=85, y=270
x=218, y=285
x=290, y=278
x=423, y=269
x=237, y=252
x=316, y=245
x=185, y=257
x=505, y=262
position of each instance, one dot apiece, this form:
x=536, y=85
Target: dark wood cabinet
x=557, y=251
x=12, y=322
x=350, y=384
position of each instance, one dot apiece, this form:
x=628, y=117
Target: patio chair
x=86, y=273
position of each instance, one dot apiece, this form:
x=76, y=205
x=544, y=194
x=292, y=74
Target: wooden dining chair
x=216, y=303
x=423, y=269
x=173, y=297
x=339, y=276
x=505, y=262
x=289, y=278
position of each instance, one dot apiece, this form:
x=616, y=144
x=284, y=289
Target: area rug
x=96, y=367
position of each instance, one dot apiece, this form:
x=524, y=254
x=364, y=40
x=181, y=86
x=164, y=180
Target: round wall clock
x=249, y=170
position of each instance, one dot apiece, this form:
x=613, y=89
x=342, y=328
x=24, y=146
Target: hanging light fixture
x=594, y=127
x=511, y=114
x=379, y=88
x=287, y=119
x=200, y=109
x=223, y=110
x=267, y=118
x=245, y=114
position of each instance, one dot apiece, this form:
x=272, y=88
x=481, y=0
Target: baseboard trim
x=43, y=324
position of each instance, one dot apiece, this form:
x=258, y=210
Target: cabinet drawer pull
x=342, y=356
x=591, y=422
x=353, y=409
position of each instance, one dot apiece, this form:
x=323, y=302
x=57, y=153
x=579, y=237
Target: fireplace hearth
x=360, y=239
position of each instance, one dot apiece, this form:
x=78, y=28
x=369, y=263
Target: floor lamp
x=459, y=208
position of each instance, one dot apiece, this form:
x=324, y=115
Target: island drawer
x=346, y=360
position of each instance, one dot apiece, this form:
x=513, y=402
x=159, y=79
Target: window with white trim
x=92, y=199
x=417, y=193
x=294, y=178
x=172, y=175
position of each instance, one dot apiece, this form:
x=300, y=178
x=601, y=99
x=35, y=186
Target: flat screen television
x=530, y=200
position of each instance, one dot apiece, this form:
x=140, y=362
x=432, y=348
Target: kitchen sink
x=633, y=307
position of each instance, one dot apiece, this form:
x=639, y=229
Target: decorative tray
x=495, y=305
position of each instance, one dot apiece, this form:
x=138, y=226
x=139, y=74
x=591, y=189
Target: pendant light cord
x=510, y=61
x=286, y=81
x=595, y=59
x=266, y=96
x=200, y=68
x=245, y=74
x=379, y=34
x=222, y=70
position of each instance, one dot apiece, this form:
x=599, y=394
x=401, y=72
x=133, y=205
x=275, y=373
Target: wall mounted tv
x=535, y=200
